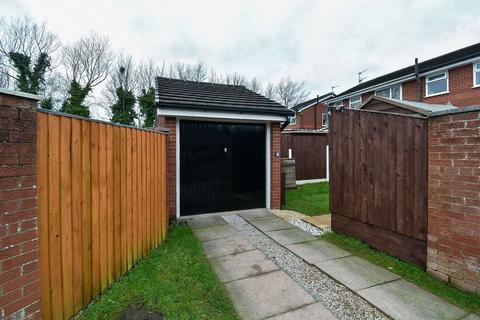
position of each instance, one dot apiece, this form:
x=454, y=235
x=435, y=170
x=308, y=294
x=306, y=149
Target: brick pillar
x=19, y=275
x=275, y=175
x=453, y=252
x=171, y=124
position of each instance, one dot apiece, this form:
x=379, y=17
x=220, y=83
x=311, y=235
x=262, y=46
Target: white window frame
x=358, y=98
x=325, y=119
x=434, y=75
x=390, y=90
x=476, y=69
x=293, y=119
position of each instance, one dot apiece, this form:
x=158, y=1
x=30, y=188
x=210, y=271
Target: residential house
x=452, y=78
x=310, y=114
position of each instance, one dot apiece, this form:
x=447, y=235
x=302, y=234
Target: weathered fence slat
x=378, y=185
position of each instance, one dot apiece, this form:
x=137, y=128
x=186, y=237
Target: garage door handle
x=225, y=149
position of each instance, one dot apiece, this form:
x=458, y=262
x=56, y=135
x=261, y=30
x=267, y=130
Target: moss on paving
x=408, y=271
x=174, y=279
x=310, y=199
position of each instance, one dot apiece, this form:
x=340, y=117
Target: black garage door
x=222, y=167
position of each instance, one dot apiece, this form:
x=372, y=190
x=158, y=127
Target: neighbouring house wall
x=171, y=124
x=306, y=118
x=19, y=257
x=454, y=199
x=460, y=83
x=275, y=175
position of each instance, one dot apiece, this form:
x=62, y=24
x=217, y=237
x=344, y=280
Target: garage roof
x=182, y=94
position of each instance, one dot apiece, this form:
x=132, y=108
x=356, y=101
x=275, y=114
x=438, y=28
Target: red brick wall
x=171, y=124
x=460, y=83
x=454, y=199
x=19, y=275
x=306, y=118
x=275, y=166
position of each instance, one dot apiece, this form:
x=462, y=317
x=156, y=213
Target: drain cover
x=139, y=313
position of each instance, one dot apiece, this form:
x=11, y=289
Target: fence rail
x=101, y=203
x=378, y=183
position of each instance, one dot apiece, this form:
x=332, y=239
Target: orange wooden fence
x=102, y=206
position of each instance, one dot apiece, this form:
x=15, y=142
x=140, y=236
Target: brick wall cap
x=21, y=94
x=154, y=129
x=454, y=111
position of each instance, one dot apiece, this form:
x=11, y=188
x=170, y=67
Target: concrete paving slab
x=266, y=295
x=205, y=221
x=215, y=232
x=241, y=265
x=314, y=311
x=323, y=221
x=289, y=236
x=356, y=273
x=271, y=224
x=403, y=300
x=221, y=247
x=317, y=251
x=255, y=214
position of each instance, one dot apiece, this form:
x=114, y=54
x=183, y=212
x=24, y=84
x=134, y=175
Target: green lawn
x=408, y=271
x=310, y=199
x=174, y=279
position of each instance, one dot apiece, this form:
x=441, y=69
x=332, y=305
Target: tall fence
x=378, y=180
x=309, y=152
x=101, y=206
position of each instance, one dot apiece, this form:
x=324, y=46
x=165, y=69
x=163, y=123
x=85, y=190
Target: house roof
x=422, y=108
x=423, y=67
x=182, y=94
x=312, y=102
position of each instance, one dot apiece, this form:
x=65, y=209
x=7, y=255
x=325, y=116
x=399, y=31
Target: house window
x=476, y=74
x=325, y=119
x=355, y=102
x=393, y=92
x=293, y=120
x=437, y=84
x=337, y=104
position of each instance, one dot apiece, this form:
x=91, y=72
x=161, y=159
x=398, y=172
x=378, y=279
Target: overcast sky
x=324, y=43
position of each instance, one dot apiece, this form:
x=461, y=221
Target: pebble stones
x=343, y=303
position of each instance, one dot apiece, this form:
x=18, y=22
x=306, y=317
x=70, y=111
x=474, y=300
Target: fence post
x=327, y=165
x=19, y=271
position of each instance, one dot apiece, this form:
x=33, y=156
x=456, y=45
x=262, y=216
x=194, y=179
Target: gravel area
x=307, y=227
x=288, y=215
x=342, y=302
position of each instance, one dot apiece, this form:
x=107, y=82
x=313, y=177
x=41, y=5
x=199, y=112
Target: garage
x=223, y=147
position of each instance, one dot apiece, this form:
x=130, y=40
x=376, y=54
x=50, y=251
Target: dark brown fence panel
x=309, y=152
x=378, y=180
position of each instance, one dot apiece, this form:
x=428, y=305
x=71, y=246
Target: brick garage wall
x=171, y=124
x=454, y=199
x=19, y=274
x=275, y=175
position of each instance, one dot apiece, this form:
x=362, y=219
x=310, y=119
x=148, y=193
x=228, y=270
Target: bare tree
x=185, y=71
x=26, y=53
x=123, y=74
x=270, y=91
x=290, y=92
x=87, y=64
x=145, y=74
x=88, y=60
x=254, y=85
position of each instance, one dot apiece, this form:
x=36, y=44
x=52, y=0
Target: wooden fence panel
x=378, y=180
x=102, y=206
x=309, y=152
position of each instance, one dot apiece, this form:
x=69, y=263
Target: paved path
x=260, y=289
